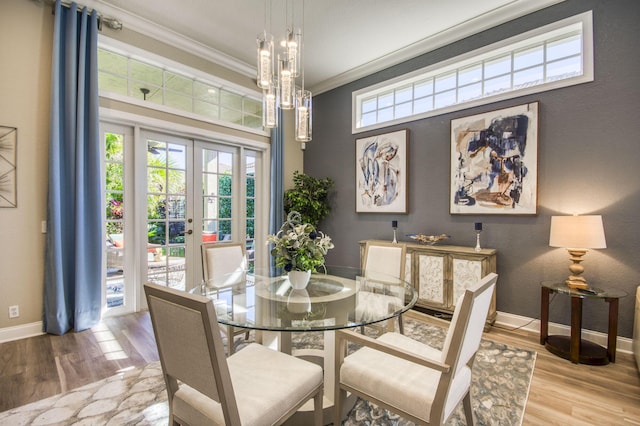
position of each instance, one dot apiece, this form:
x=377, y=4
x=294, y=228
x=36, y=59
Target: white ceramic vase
x=299, y=302
x=299, y=279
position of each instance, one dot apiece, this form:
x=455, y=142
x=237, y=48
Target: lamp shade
x=585, y=232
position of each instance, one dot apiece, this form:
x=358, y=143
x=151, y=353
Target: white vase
x=299, y=302
x=299, y=279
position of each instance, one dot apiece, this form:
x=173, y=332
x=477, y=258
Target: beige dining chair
x=427, y=384
x=254, y=386
x=381, y=261
x=225, y=264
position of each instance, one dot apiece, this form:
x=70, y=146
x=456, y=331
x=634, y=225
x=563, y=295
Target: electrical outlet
x=14, y=311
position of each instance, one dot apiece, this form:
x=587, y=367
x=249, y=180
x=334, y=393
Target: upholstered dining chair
x=382, y=260
x=254, y=386
x=428, y=384
x=223, y=264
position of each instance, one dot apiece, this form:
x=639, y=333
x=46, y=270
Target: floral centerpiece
x=299, y=246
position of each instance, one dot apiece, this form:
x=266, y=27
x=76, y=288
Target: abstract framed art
x=8, y=162
x=381, y=173
x=494, y=162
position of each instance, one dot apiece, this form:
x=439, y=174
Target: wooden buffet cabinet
x=441, y=273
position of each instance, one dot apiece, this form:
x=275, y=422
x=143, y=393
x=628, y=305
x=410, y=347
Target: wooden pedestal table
x=573, y=347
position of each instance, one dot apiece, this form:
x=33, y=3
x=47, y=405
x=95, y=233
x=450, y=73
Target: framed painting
x=494, y=162
x=381, y=173
x=8, y=163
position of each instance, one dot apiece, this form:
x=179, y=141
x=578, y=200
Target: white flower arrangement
x=299, y=246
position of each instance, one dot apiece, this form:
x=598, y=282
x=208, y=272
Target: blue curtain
x=276, y=215
x=73, y=258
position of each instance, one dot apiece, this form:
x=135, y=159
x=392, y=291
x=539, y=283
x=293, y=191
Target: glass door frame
x=135, y=174
x=129, y=277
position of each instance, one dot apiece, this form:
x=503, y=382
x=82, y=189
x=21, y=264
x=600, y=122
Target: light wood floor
x=561, y=393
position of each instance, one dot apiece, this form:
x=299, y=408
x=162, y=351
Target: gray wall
x=589, y=148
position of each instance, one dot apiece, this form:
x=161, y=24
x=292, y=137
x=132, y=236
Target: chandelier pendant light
x=270, y=103
x=280, y=90
x=303, y=115
x=286, y=80
x=265, y=60
x=293, y=43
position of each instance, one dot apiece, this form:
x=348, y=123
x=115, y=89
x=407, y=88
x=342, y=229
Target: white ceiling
x=343, y=39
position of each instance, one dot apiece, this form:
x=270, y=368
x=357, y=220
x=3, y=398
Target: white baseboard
x=8, y=334
x=506, y=320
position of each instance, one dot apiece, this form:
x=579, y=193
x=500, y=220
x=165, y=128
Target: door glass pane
x=250, y=171
x=217, y=178
x=114, y=224
x=166, y=213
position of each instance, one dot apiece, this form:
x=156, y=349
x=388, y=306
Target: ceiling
x=343, y=39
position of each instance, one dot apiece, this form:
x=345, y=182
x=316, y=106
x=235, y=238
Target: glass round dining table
x=338, y=298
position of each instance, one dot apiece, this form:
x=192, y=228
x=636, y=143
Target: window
x=553, y=56
x=121, y=75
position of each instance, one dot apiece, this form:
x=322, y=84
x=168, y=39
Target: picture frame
x=8, y=166
x=494, y=162
x=382, y=173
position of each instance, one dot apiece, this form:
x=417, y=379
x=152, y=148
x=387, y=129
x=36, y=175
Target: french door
x=186, y=192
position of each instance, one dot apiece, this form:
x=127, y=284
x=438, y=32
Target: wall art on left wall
x=381, y=173
x=8, y=164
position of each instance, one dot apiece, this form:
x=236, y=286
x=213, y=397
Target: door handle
x=189, y=232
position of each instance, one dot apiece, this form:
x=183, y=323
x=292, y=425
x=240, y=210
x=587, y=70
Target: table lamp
x=577, y=234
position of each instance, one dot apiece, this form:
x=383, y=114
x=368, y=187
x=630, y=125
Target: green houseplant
x=309, y=197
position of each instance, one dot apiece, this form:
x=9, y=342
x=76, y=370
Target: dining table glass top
x=343, y=297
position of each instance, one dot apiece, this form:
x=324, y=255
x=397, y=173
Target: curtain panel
x=276, y=213
x=73, y=258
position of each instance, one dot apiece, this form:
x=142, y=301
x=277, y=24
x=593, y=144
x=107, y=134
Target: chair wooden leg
x=468, y=412
x=400, y=324
x=230, y=340
x=339, y=396
x=317, y=409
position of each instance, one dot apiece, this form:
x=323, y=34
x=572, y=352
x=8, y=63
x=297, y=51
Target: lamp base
x=576, y=280
x=573, y=283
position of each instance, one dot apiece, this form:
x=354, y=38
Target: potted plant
x=309, y=197
x=299, y=247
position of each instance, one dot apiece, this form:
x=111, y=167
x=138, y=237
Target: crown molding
x=143, y=26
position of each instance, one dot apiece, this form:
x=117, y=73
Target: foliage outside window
x=114, y=183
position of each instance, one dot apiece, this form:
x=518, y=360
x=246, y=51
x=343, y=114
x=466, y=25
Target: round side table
x=573, y=347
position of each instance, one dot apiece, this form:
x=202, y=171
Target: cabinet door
x=466, y=273
x=431, y=279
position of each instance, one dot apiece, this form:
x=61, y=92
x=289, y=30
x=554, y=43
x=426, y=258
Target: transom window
x=556, y=55
x=122, y=75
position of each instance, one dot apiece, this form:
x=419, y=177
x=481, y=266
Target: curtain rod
x=110, y=22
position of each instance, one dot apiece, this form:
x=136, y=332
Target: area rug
x=501, y=379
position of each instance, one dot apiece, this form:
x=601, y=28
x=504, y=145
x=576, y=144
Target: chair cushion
x=266, y=384
x=411, y=387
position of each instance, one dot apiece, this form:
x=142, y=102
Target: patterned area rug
x=501, y=379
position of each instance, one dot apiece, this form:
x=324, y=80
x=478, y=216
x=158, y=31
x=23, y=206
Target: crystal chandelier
x=276, y=76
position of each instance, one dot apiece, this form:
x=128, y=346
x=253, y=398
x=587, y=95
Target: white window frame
x=582, y=23
x=141, y=55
